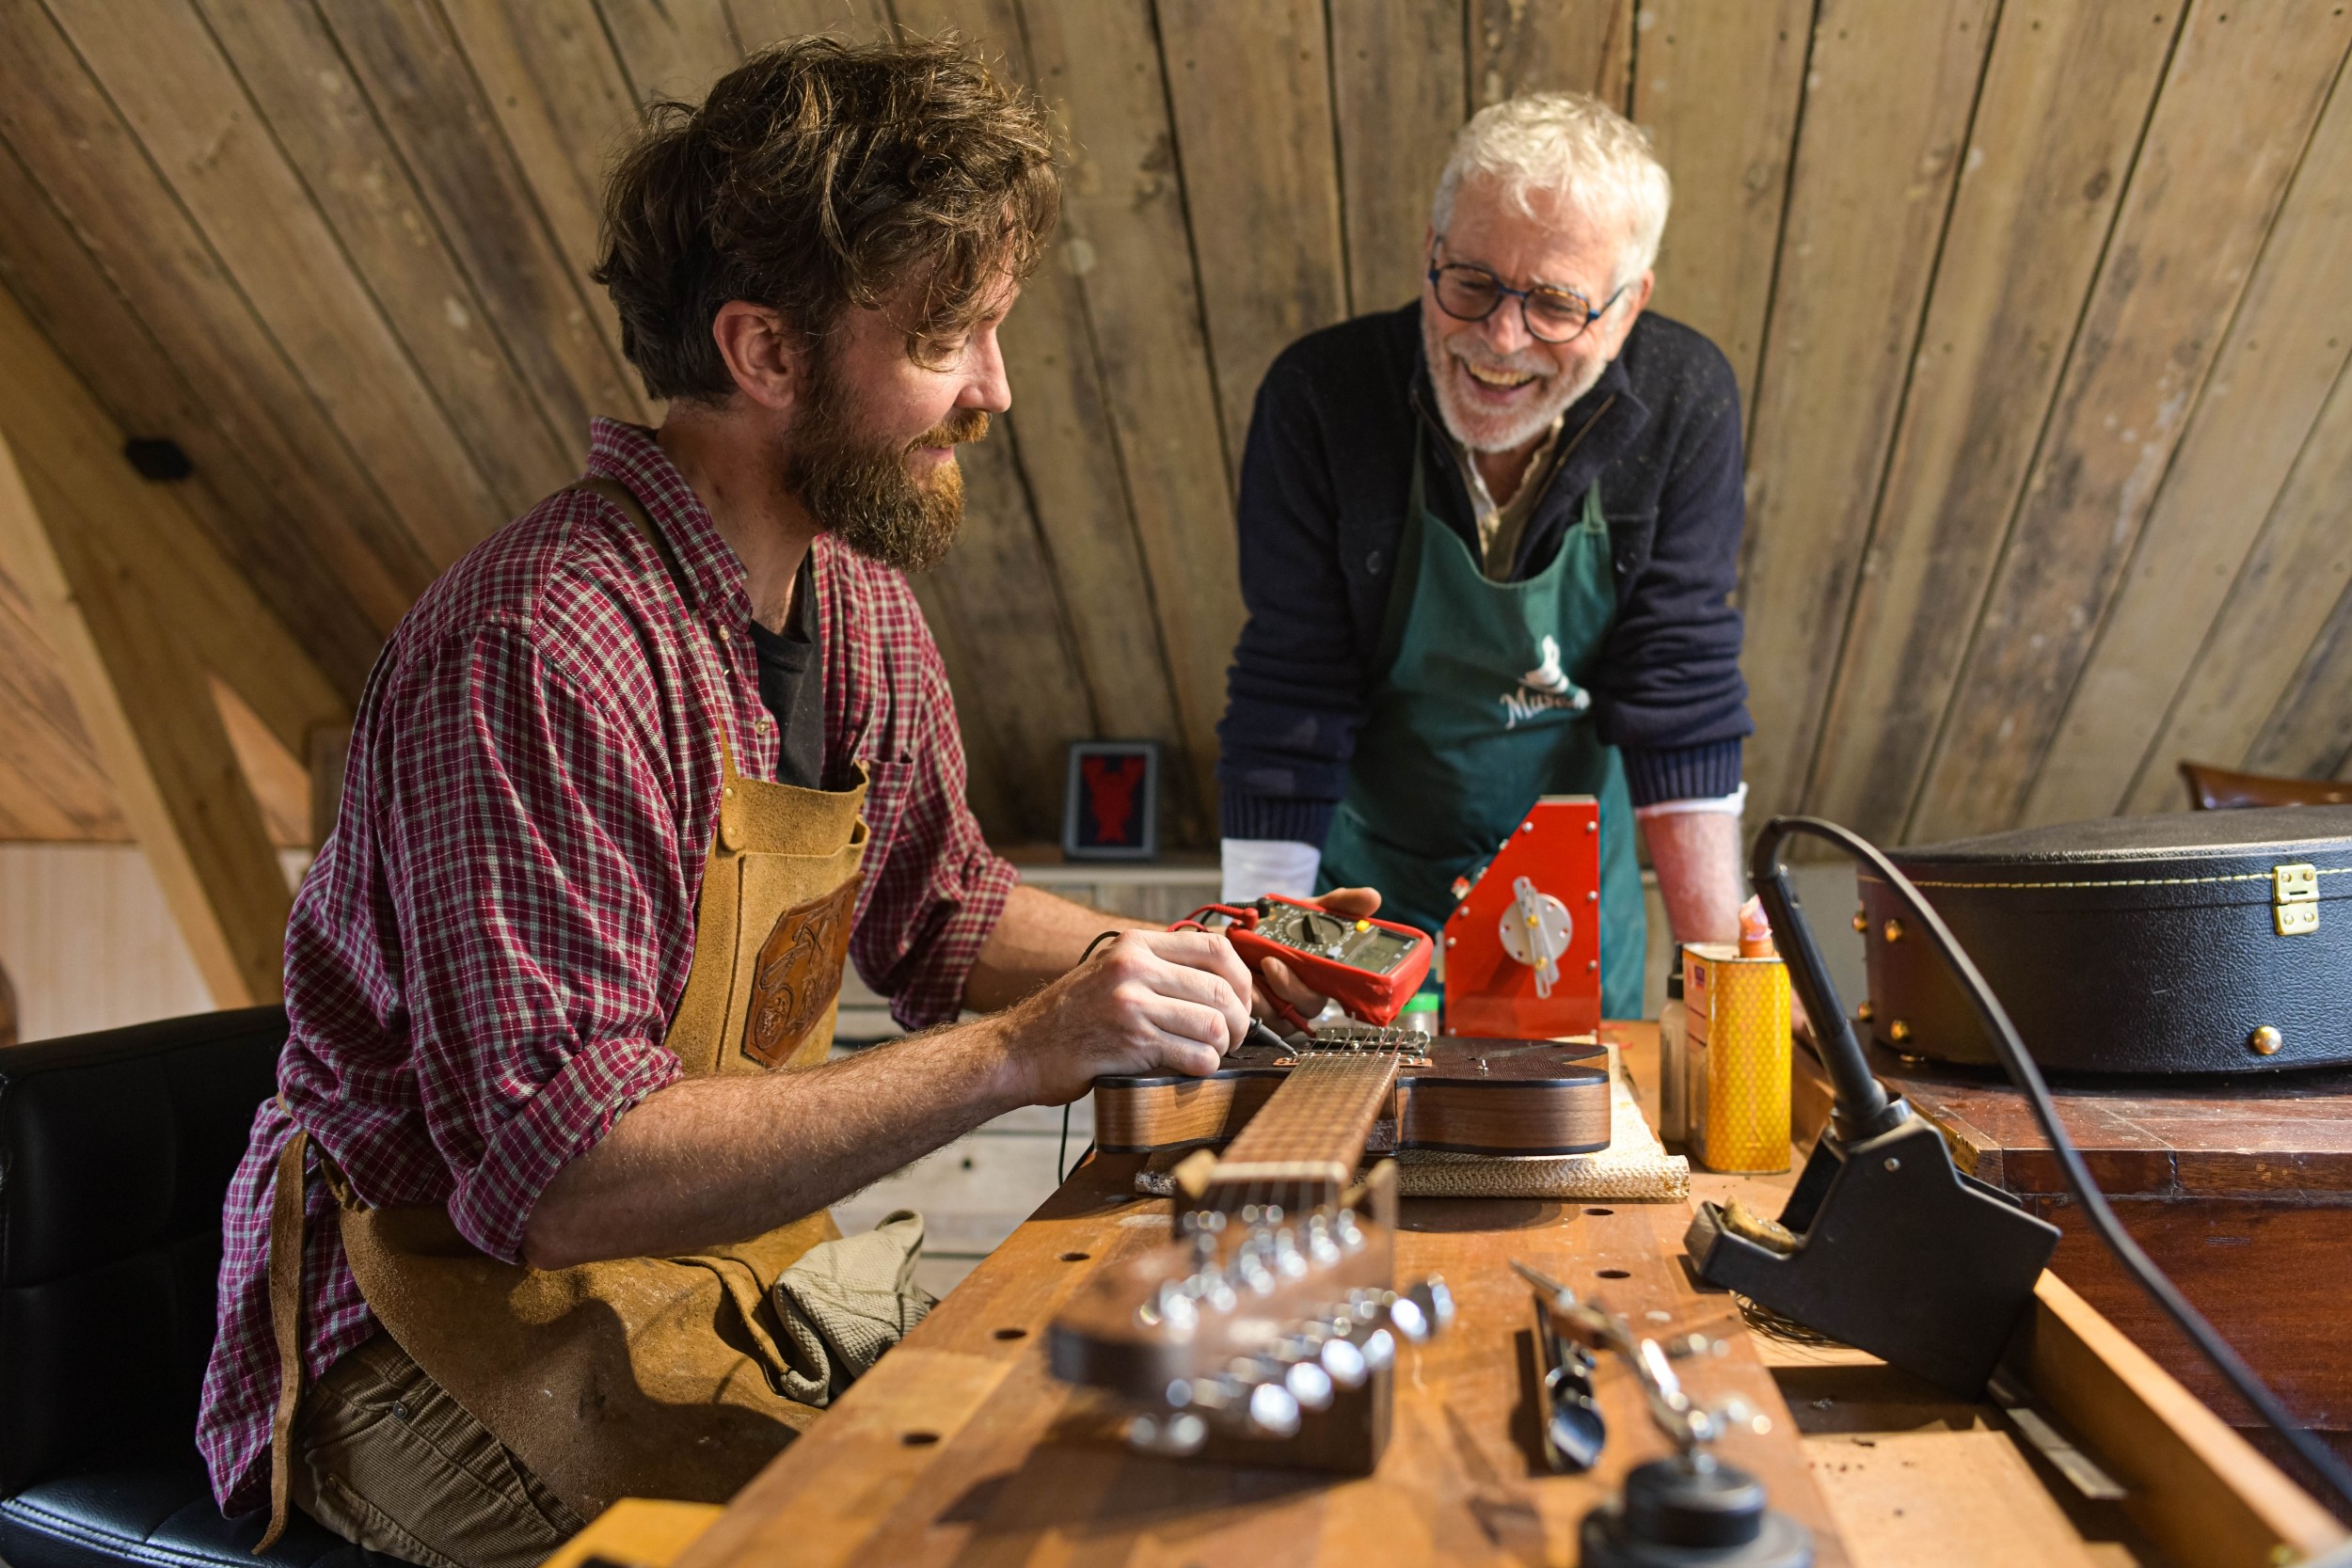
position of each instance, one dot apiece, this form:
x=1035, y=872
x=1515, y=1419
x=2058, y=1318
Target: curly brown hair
x=817, y=176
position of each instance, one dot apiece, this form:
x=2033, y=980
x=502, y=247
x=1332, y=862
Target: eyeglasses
x=1551, y=315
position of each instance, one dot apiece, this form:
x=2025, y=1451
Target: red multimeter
x=1369, y=967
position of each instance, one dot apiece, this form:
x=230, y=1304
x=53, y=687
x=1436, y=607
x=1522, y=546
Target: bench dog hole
x=919, y=1439
x=1612, y=1274
x=1013, y=1334
x=1075, y=1256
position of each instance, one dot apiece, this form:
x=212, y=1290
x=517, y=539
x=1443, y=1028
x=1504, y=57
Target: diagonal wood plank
x=2285, y=351
x=671, y=50
x=250, y=515
x=208, y=141
x=985, y=791
x=550, y=78
x=761, y=22
x=1070, y=476
x=141, y=693
x=1400, y=93
x=2208, y=181
x=317, y=114
x=2270, y=684
x=2066, y=95
x=91, y=167
x=52, y=785
x=1124, y=230
x=559, y=326
x=1717, y=88
x=1585, y=45
x=1887, y=111
x=1250, y=89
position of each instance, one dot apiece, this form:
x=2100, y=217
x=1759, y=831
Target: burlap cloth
x=1635, y=1164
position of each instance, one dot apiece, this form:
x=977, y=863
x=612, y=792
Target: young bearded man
x=627, y=784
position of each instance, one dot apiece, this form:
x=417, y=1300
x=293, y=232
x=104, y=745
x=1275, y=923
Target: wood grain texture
x=90, y=166
x=1582, y=45
x=330, y=132
x=1891, y=87
x=1717, y=88
x=1002, y=1465
x=673, y=50
x=2286, y=349
x=1250, y=87
x=52, y=786
x=2310, y=731
x=234, y=181
x=1125, y=236
x=2066, y=95
x=1399, y=93
x=2203, y=193
x=1073, y=484
x=558, y=325
x=144, y=703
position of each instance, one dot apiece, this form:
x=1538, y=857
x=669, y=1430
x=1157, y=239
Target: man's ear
x=763, y=353
x=1629, y=306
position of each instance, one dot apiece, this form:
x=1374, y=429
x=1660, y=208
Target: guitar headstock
x=1250, y=1324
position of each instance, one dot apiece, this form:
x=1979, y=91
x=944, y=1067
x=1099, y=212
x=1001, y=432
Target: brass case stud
x=2266, y=1041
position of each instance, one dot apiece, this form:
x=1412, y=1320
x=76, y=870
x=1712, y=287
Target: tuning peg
x=1344, y=1362
x=1178, y=1434
x=1379, y=1350
x=1434, y=1301
x=1273, y=1410
x=1310, y=1384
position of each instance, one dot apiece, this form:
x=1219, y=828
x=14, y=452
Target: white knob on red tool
x=1536, y=929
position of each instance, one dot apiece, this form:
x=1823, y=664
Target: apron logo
x=1544, y=687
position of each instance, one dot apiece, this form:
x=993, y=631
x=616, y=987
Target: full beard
x=1489, y=430
x=859, y=490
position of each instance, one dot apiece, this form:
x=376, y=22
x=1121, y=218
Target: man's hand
x=1277, y=978
x=1146, y=1002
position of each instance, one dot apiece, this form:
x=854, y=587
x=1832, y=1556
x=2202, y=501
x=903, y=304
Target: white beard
x=1481, y=431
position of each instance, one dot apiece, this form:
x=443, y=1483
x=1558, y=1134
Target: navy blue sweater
x=1322, y=514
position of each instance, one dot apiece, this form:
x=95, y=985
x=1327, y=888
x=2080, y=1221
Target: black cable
x=1843, y=1057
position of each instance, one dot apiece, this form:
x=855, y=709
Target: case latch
x=2295, y=899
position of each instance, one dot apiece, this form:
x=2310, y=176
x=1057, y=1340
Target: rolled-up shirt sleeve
x=521, y=824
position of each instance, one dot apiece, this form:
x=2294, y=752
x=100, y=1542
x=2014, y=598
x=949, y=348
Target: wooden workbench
x=958, y=1448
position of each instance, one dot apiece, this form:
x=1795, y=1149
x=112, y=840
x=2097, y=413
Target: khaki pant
x=384, y=1457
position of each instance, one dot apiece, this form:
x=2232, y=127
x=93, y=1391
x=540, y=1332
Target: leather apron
x=1479, y=709
x=652, y=1377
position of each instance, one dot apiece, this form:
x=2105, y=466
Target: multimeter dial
x=1357, y=944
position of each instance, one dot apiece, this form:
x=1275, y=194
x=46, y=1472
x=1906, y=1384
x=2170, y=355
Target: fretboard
x=1301, y=1150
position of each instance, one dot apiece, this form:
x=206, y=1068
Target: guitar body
x=1470, y=1096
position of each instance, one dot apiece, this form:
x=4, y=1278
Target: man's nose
x=990, y=387
x=1506, y=327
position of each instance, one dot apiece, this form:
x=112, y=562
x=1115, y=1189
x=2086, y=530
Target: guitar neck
x=1302, y=1147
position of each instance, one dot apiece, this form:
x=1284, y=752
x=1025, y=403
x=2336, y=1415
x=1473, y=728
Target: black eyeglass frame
x=1503, y=291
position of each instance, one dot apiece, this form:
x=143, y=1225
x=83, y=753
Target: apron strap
x=285, y=1316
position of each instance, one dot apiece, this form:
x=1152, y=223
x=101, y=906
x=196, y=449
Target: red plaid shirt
x=482, y=961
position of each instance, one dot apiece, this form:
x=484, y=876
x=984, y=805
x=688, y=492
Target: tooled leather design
x=798, y=973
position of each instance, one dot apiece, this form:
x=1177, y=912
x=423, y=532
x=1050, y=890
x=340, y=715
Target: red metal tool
x=1369, y=967
x=1522, y=948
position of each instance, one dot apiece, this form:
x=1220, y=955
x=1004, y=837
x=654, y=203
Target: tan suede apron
x=651, y=1377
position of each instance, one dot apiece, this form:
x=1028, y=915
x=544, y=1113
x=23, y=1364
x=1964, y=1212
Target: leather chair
x=2212, y=788
x=115, y=1150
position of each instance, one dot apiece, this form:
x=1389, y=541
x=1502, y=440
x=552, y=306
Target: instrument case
x=2198, y=942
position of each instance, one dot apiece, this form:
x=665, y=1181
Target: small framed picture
x=1112, y=804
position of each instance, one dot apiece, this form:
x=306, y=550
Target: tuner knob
x=1408, y=1318
x=1273, y=1410
x=1344, y=1362
x=1379, y=1350
x=1310, y=1384
x=1434, y=1301
x=1181, y=1434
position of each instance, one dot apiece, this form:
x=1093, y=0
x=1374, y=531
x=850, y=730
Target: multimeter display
x=1357, y=944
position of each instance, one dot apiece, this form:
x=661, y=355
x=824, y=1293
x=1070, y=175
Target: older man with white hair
x=1487, y=543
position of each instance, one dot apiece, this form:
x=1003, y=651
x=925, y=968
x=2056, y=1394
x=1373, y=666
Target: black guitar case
x=2201, y=942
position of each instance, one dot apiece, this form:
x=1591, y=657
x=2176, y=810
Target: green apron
x=1480, y=708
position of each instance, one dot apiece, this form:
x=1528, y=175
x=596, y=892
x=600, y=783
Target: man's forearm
x=1037, y=938
x=716, y=1159
x=1697, y=855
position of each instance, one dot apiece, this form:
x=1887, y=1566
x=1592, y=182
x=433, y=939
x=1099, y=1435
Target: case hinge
x=2295, y=899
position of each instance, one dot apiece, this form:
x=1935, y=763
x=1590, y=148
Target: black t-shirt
x=792, y=685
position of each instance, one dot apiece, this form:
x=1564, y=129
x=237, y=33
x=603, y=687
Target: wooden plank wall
x=2038, y=307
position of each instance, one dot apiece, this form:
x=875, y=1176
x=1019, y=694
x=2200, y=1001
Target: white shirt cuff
x=1728, y=805
x=1256, y=866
